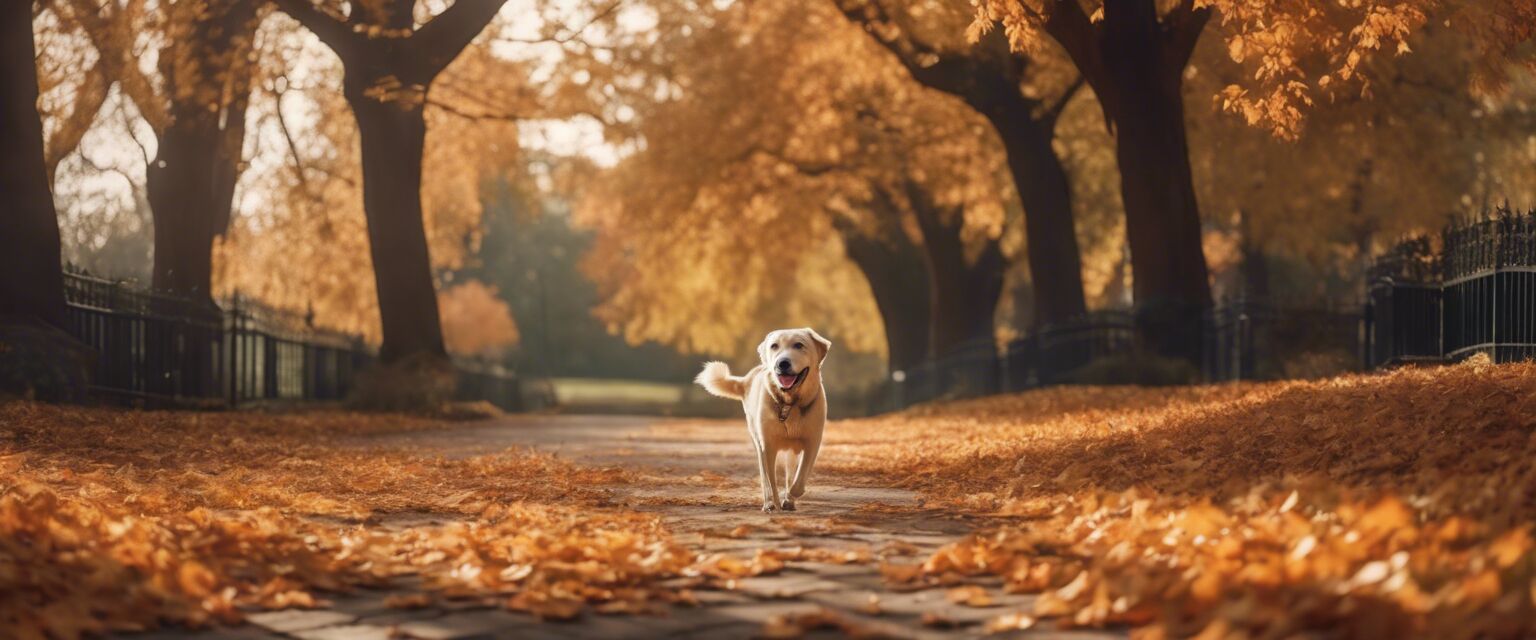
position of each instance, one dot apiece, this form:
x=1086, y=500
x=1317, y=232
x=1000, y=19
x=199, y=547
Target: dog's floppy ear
x=823, y=345
x=762, y=347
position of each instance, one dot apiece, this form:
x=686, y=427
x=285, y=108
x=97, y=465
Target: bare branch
x=128, y=125
x=484, y=115
x=293, y=147
x=569, y=33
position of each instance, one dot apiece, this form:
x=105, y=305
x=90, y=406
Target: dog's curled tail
x=716, y=378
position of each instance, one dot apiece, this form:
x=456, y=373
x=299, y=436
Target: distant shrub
x=476, y=321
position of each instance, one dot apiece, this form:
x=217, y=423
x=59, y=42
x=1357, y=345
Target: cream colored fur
x=798, y=438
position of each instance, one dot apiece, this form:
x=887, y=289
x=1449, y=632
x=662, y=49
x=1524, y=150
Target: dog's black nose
x=783, y=366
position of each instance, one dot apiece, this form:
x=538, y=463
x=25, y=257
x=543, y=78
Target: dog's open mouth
x=787, y=382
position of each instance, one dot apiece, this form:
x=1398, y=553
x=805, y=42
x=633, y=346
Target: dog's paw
x=768, y=507
x=789, y=504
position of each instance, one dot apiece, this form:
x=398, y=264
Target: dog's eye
x=800, y=345
x=775, y=347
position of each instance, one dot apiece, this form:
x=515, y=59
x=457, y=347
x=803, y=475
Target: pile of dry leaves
x=113, y=520
x=1380, y=506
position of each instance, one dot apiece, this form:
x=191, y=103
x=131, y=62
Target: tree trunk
x=964, y=293
x=1140, y=83
x=386, y=82
x=1163, y=227
x=1055, y=267
x=1254, y=270
x=894, y=268
x=191, y=189
x=393, y=135
x=37, y=356
x=31, y=278
x=1171, y=283
x=191, y=183
x=964, y=296
x=987, y=76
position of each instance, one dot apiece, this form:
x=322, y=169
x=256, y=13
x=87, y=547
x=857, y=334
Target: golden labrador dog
x=786, y=407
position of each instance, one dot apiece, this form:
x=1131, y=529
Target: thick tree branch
x=116, y=62
x=87, y=103
x=441, y=40
x=1053, y=112
x=931, y=218
x=941, y=70
x=1065, y=21
x=990, y=262
x=1183, y=26
x=331, y=30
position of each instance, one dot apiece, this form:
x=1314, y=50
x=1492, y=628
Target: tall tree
x=1134, y=54
x=812, y=126
x=306, y=247
x=965, y=290
x=197, y=111
x=896, y=270
x=390, y=63
x=1134, y=60
x=37, y=356
x=31, y=278
x=992, y=80
x=206, y=75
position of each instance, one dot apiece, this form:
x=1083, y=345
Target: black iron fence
x=1264, y=339
x=148, y=346
x=1471, y=289
x=167, y=350
x=1467, y=290
x=278, y=355
x=1246, y=339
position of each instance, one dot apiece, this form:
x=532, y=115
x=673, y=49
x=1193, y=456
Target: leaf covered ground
x=1384, y=505
x=119, y=520
x=1387, y=505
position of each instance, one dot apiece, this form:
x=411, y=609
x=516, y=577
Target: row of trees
x=211, y=58
x=904, y=133
x=921, y=167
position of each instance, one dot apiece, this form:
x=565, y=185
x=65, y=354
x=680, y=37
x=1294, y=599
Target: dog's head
x=793, y=355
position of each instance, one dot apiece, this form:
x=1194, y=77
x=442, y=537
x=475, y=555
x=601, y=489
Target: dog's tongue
x=787, y=381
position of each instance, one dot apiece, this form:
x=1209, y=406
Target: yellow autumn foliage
x=475, y=320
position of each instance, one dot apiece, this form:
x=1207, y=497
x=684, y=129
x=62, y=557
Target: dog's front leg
x=792, y=460
x=765, y=464
x=803, y=471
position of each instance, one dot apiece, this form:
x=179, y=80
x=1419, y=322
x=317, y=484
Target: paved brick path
x=836, y=513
